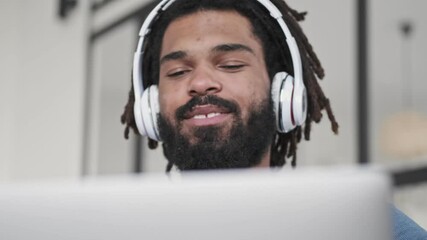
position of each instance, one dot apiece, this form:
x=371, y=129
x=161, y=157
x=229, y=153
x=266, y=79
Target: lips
x=205, y=112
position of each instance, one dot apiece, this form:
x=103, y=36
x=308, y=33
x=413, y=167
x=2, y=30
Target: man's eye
x=232, y=66
x=177, y=73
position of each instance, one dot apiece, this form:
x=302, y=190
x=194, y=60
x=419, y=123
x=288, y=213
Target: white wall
x=111, y=60
x=330, y=27
x=9, y=66
x=42, y=89
x=107, y=152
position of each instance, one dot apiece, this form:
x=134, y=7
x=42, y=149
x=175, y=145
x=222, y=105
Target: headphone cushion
x=299, y=105
x=275, y=94
x=281, y=93
x=150, y=110
x=137, y=113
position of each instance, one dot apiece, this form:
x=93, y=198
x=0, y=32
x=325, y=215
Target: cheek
x=163, y=104
x=252, y=94
x=170, y=98
x=165, y=101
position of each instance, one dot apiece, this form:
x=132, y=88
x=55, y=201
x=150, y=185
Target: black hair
x=277, y=58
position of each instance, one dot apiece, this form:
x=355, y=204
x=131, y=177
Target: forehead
x=210, y=26
x=209, y=18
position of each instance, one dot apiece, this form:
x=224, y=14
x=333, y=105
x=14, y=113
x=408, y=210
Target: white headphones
x=288, y=93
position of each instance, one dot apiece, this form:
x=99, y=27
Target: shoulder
x=405, y=228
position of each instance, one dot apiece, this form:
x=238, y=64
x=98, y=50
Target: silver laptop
x=250, y=204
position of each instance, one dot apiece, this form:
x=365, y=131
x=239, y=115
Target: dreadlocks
x=277, y=58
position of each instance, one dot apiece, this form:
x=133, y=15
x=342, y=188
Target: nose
x=203, y=82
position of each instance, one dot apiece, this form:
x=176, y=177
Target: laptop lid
x=249, y=204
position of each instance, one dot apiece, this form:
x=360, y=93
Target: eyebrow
x=173, y=56
x=232, y=47
x=229, y=47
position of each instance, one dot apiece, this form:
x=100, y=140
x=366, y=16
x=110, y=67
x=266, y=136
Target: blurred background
x=65, y=76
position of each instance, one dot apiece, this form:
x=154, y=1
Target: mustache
x=230, y=106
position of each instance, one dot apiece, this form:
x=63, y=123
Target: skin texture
x=211, y=53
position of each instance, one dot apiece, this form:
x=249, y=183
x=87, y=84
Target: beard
x=243, y=145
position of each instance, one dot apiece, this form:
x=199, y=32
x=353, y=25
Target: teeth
x=210, y=115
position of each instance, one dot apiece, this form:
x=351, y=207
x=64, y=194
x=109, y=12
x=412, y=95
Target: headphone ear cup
x=281, y=93
x=137, y=113
x=299, y=105
x=277, y=84
x=150, y=110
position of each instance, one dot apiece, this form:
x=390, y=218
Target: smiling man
x=229, y=84
x=225, y=98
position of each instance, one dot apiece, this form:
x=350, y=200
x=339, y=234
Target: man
x=224, y=100
x=246, y=135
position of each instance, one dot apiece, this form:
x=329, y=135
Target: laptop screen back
x=302, y=204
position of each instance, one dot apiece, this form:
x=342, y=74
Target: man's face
x=213, y=78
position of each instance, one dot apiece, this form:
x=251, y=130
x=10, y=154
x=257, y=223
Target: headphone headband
x=164, y=4
x=138, y=56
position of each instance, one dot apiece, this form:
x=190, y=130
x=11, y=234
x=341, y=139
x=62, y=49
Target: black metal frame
x=65, y=7
x=99, y=5
x=410, y=176
x=362, y=83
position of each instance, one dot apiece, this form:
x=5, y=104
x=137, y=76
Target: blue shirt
x=405, y=228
